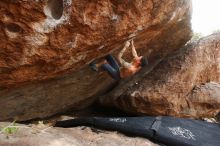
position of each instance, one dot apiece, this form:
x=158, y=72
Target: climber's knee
x=111, y=71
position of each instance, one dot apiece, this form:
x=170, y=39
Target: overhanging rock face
x=46, y=46
x=184, y=84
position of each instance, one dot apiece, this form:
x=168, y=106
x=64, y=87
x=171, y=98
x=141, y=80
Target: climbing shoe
x=93, y=66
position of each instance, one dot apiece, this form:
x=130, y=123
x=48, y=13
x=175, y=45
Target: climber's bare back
x=129, y=69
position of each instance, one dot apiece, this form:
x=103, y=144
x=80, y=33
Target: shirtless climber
x=127, y=69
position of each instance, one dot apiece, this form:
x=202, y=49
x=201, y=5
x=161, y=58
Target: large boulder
x=185, y=84
x=42, y=135
x=46, y=46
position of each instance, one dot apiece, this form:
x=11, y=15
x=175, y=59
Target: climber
x=127, y=69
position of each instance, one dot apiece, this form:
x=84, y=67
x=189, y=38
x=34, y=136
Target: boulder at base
x=41, y=135
x=46, y=46
x=184, y=84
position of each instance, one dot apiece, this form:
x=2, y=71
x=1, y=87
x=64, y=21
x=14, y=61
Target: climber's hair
x=144, y=62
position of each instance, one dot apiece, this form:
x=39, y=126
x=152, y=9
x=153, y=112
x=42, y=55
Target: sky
x=206, y=16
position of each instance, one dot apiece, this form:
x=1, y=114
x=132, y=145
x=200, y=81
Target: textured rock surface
x=43, y=136
x=45, y=48
x=41, y=39
x=184, y=84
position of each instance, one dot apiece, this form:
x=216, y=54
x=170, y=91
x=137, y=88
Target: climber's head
x=140, y=61
x=143, y=61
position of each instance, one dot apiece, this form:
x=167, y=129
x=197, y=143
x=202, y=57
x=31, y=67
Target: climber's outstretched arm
x=134, y=53
x=122, y=61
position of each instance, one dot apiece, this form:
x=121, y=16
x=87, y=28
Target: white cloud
x=206, y=16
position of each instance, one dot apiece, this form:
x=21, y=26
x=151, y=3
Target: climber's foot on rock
x=93, y=66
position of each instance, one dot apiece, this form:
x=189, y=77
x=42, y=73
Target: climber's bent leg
x=115, y=74
x=111, y=60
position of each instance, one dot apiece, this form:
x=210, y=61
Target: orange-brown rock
x=184, y=84
x=44, y=39
x=46, y=45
